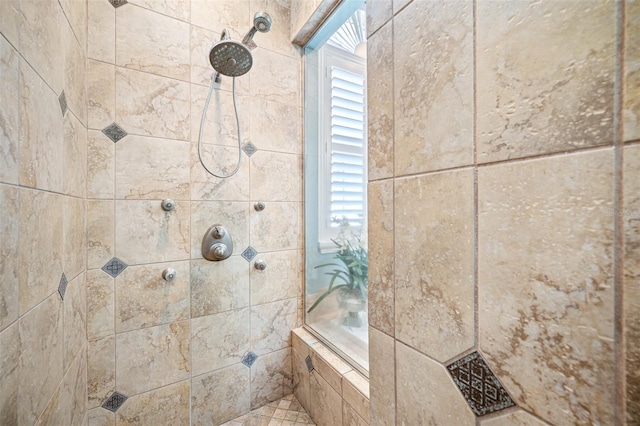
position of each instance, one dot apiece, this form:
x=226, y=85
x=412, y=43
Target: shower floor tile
x=284, y=412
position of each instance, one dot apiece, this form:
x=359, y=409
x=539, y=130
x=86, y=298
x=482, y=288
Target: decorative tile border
x=249, y=359
x=117, y=3
x=62, y=287
x=309, y=363
x=249, y=149
x=114, y=267
x=249, y=253
x=63, y=103
x=114, y=132
x=479, y=386
x=114, y=402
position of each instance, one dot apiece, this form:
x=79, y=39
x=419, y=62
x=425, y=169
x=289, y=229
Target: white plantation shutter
x=347, y=146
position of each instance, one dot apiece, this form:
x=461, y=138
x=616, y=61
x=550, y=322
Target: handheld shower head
x=261, y=22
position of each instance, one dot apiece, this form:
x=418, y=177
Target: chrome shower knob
x=217, y=243
x=169, y=274
x=218, y=251
x=218, y=232
x=168, y=205
x=259, y=206
x=260, y=265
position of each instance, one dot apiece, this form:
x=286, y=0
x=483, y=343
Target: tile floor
x=284, y=412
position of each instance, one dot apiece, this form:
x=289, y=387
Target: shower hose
x=204, y=115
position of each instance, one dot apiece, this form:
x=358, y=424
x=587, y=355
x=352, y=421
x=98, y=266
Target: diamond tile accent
x=249, y=149
x=249, y=359
x=63, y=103
x=309, y=363
x=249, y=253
x=62, y=287
x=114, y=132
x=479, y=386
x=117, y=3
x=114, y=267
x=114, y=402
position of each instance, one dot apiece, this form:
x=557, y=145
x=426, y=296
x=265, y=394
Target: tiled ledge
x=331, y=391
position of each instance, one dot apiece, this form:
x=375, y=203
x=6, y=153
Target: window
x=336, y=281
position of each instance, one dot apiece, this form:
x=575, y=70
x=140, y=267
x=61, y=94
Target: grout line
x=476, y=188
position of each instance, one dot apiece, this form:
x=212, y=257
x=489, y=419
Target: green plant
x=351, y=273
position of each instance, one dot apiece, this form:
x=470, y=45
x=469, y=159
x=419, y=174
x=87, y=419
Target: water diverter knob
x=169, y=274
x=217, y=243
x=260, y=265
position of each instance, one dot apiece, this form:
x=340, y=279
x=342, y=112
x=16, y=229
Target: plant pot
x=352, y=302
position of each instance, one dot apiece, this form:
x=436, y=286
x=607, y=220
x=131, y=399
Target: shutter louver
x=347, y=146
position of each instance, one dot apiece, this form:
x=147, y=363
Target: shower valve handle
x=217, y=243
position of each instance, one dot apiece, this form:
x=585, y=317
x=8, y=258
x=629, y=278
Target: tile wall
x=43, y=149
x=503, y=198
x=215, y=342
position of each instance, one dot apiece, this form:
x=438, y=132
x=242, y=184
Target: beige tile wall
x=43, y=154
x=170, y=346
x=503, y=186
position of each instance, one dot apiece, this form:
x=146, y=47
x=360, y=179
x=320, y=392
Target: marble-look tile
x=169, y=117
x=219, y=286
x=276, y=176
x=41, y=40
x=277, y=77
x=399, y=4
x=219, y=340
x=232, y=215
x=146, y=233
x=41, y=371
x=350, y=416
x=329, y=366
x=277, y=227
x=219, y=159
x=74, y=236
x=168, y=405
x=152, y=42
x=216, y=15
x=101, y=94
x=75, y=156
x=220, y=126
x=220, y=396
x=144, y=298
x=100, y=165
x=201, y=69
x=152, y=357
x=100, y=304
x=101, y=370
x=426, y=394
x=9, y=262
x=41, y=132
x=516, y=418
x=40, y=251
x=101, y=34
x=152, y=168
x=382, y=378
x=75, y=319
x=355, y=391
x=275, y=126
x=378, y=13
x=301, y=12
x=10, y=21
x=75, y=73
x=302, y=340
x=433, y=59
x=434, y=263
x=381, y=255
x=281, y=280
x=271, y=325
x=631, y=291
x=631, y=85
x=9, y=359
x=545, y=283
x=100, y=232
x=278, y=39
x=10, y=113
x=555, y=95
x=179, y=9
x=271, y=377
x=76, y=13
x=380, y=131
x=325, y=408
x=99, y=416
x=300, y=379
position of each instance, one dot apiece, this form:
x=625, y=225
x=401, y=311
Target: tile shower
x=99, y=112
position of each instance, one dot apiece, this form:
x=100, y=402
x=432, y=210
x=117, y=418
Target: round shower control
x=217, y=243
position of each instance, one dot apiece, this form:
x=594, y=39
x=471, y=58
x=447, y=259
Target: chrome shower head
x=230, y=58
x=261, y=22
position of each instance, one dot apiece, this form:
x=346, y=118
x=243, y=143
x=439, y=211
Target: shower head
x=230, y=58
x=261, y=22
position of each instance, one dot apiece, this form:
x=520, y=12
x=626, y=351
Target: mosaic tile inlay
x=63, y=103
x=479, y=386
x=114, y=402
x=62, y=287
x=249, y=253
x=249, y=359
x=249, y=149
x=309, y=363
x=114, y=132
x=117, y=3
x=114, y=267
